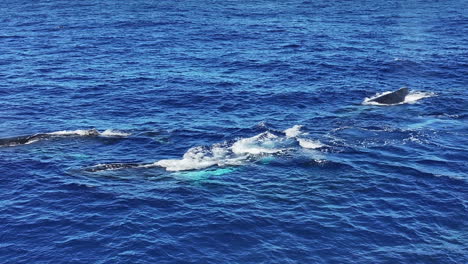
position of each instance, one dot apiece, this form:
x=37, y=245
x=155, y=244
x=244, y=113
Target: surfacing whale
x=116, y=166
x=395, y=97
x=24, y=140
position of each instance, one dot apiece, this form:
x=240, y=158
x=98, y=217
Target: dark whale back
x=393, y=97
x=113, y=166
x=21, y=140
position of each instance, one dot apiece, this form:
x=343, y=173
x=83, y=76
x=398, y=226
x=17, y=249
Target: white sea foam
x=411, y=98
x=202, y=157
x=79, y=132
x=264, y=143
x=309, y=144
x=240, y=152
x=294, y=131
x=114, y=133
x=90, y=132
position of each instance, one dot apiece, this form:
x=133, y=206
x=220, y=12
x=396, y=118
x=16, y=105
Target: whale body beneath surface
x=116, y=166
x=25, y=140
x=395, y=97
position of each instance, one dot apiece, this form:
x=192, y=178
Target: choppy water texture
x=231, y=132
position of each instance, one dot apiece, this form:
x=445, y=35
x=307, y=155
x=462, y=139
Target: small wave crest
x=79, y=132
x=294, y=131
x=202, y=157
x=310, y=144
x=224, y=154
x=411, y=98
x=114, y=133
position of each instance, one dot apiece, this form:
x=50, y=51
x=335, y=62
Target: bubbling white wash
x=79, y=132
x=239, y=152
x=114, y=133
x=201, y=157
x=310, y=144
x=294, y=131
x=263, y=143
x=90, y=132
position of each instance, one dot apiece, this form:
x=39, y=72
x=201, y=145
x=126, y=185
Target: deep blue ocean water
x=230, y=132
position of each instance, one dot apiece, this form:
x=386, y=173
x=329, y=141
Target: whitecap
x=79, y=132
x=310, y=144
x=200, y=158
x=294, y=131
x=263, y=143
x=224, y=154
x=114, y=133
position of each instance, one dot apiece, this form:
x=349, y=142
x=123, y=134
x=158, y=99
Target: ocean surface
x=233, y=132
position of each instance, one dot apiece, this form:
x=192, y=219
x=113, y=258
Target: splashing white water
x=200, y=157
x=240, y=152
x=90, y=132
x=79, y=132
x=294, y=131
x=264, y=143
x=310, y=144
x=114, y=133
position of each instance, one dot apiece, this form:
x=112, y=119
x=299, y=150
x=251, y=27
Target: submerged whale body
x=393, y=97
x=114, y=166
x=24, y=140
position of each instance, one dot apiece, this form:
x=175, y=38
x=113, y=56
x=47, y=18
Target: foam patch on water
x=264, y=143
x=310, y=144
x=79, y=132
x=201, y=157
x=224, y=154
x=294, y=131
x=411, y=98
x=90, y=132
x=243, y=150
x=114, y=133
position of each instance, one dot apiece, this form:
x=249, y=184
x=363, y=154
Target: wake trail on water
x=411, y=98
x=233, y=153
x=29, y=139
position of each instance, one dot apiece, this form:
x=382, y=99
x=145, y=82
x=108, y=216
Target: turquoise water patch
x=203, y=174
x=266, y=160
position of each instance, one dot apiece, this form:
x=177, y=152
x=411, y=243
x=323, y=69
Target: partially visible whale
x=24, y=140
x=118, y=166
x=393, y=97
